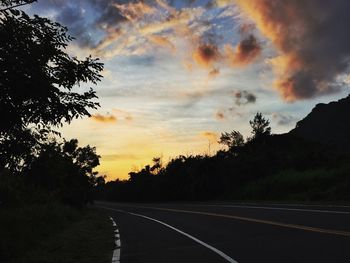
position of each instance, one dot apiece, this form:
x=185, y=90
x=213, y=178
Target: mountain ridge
x=326, y=123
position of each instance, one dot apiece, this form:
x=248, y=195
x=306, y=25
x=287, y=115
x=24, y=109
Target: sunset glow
x=179, y=73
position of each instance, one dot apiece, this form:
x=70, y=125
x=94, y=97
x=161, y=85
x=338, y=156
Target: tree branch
x=14, y=6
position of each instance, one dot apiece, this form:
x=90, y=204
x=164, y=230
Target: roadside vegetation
x=264, y=166
x=46, y=181
x=313, y=185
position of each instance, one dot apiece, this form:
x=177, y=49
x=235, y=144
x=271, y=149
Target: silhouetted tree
x=66, y=170
x=37, y=82
x=157, y=165
x=233, y=140
x=260, y=125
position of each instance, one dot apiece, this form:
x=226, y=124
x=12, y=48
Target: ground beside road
x=55, y=234
x=226, y=232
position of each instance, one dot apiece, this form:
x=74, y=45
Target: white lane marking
x=116, y=256
x=280, y=208
x=118, y=243
x=215, y=250
x=116, y=251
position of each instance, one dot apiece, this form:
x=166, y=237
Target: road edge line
x=215, y=250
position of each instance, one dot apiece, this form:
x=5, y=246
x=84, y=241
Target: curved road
x=230, y=232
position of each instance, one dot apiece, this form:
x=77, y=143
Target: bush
x=310, y=185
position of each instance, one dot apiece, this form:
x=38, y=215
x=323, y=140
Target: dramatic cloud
x=246, y=28
x=108, y=28
x=206, y=55
x=134, y=11
x=243, y=97
x=84, y=17
x=312, y=39
x=246, y=52
x=104, y=118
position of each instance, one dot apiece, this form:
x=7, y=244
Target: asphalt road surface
x=230, y=232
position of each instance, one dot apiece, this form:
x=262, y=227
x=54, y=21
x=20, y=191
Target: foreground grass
x=55, y=234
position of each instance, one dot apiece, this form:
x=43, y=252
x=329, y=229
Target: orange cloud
x=246, y=52
x=112, y=35
x=104, y=118
x=175, y=20
x=206, y=55
x=154, y=21
x=135, y=11
x=162, y=41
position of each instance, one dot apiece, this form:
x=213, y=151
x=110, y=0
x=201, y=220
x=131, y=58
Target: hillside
x=327, y=123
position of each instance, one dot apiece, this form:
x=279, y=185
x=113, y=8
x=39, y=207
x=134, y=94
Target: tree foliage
x=37, y=81
x=232, y=140
x=260, y=126
x=65, y=170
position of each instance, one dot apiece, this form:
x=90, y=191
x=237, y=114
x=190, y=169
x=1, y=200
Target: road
x=230, y=232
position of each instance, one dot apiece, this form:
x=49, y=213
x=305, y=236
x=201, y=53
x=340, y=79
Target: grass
x=55, y=233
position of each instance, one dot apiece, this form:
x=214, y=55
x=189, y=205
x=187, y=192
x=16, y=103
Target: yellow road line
x=260, y=221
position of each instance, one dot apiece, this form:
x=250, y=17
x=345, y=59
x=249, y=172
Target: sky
x=179, y=73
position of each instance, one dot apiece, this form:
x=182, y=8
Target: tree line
x=246, y=169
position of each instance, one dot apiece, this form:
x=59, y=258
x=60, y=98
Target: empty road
x=230, y=232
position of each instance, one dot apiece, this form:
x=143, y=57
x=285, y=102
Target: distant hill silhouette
x=327, y=123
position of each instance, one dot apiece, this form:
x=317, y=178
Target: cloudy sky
x=178, y=73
